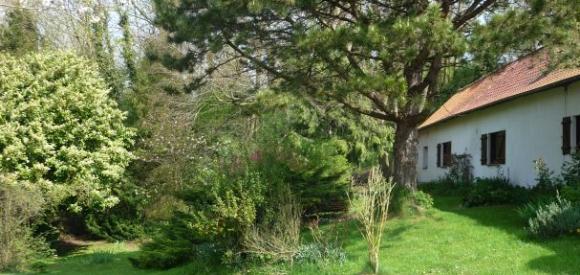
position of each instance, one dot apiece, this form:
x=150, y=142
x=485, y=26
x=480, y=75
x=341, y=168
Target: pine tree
x=383, y=59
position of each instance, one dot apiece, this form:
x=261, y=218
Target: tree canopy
x=60, y=130
x=383, y=59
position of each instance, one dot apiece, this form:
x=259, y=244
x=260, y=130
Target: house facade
x=504, y=122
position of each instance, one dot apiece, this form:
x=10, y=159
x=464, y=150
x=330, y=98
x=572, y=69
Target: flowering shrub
x=60, y=131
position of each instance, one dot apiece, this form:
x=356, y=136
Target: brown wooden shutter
x=439, y=155
x=484, y=149
x=566, y=133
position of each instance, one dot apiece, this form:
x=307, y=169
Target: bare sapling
x=371, y=209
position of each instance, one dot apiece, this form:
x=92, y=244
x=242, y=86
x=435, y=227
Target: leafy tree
x=20, y=34
x=60, y=131
x=382, y=59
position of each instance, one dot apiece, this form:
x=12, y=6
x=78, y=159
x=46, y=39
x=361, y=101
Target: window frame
x=444, y=154
x=490, y=156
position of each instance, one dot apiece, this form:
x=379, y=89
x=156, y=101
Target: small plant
x=544, y=176
x=410, y=202
x=460, y=171
x=554, y=219
x=372, y=211
x=529, y=209
x=570, y=179
x=571, y=171
x=423, y=201
x=316, y=253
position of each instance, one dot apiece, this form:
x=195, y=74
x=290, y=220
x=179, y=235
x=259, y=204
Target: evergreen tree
x=383, y=59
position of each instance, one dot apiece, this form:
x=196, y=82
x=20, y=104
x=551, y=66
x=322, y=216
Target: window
x=493, y=148
x=444, y=156
x=425, y=157
x=566, y=135
x=497, y=148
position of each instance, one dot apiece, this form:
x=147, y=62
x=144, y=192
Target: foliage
x=382, y=59
x=276, y=239
x=220, y=208
x=423, y=201
x=555, y=218
x=461, y=170
x=544, y=176
x=410, y=202
x=20, y=202
x=371, y=207
x=445, y=187
x=315, y=148
x=494, y=191
x=316, y=253
x=124, y=221
x=571, y=170
x=20, y=34
x=60, y=131
x=529, y=209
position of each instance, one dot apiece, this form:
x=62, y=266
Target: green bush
x=423, y=200
x=556, y=218
x=495, y=191
x=20, y=203
x=570, y=179
x=408, y=202
x=571, y=171
x=529, y=209
x=60, y=130
x=571, y=192
x=445, y=187
x=219, y=209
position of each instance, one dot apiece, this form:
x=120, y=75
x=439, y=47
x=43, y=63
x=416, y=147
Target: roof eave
x=562, y=82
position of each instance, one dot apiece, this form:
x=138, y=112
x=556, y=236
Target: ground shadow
x=566, y=258
x=66, y=247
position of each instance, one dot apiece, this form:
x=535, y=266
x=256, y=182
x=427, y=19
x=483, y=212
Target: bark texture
x=404, y=163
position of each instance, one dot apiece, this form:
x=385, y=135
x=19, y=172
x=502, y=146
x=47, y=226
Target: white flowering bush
x=61, y=131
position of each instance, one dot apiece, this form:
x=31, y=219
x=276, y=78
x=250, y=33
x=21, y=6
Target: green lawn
x=447, y=240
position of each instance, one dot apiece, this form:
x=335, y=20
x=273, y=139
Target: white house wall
x=533, y=130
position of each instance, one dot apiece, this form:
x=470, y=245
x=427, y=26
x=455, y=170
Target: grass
x=447, y=240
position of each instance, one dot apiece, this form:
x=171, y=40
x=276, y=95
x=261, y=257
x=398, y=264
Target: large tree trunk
x=404, y=162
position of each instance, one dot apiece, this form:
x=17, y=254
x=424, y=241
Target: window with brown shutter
x=566, y=135
x=493, y=146
x=484, y=149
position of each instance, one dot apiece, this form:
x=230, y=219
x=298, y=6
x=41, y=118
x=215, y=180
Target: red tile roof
x=520, y=77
